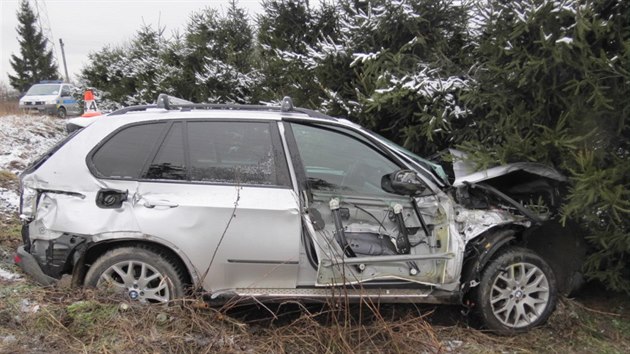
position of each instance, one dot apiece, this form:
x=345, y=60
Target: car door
x=66, y=100
x=343, y=173
x=217, y=192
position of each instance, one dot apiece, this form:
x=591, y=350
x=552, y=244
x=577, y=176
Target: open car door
x=361, y=231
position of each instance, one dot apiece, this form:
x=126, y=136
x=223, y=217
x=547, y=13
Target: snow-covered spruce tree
x=286, y=29
x=398, y=68
x=209, y=62
x=552, y=85
x=128, y=73
x=98, y=72
x=35, y=61
x=220, y=53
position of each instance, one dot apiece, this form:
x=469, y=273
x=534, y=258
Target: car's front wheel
x=517, y=291
x=61, y=112
x=142, y=274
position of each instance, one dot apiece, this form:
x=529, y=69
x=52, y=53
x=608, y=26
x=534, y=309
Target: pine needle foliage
x=552, y=82
x=35, y=61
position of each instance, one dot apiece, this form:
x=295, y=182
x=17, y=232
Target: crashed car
x=277, y=203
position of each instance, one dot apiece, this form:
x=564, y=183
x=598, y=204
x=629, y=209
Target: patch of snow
x=28, y=307
x=9, y=201
x=6, y=275
x=23, y=138
x=364, y=57
x=566, y=40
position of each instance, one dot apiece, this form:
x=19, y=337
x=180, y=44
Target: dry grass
x=77, y=321
x=8, y=180
x=56, y=320
x=9, y=107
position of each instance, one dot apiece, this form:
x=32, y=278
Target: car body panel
x=465, y=171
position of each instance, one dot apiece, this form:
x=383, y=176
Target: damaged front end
x=516, y=203
x=527, y=188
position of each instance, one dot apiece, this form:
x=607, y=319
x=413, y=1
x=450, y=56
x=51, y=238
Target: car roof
x=167, y=110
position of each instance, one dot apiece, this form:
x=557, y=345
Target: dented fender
x=486, y=247
x=473, y=223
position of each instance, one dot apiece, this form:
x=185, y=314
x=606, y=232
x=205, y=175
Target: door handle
x=159, y=203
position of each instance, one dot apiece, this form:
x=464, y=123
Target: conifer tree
x=286, y=30
x=552, y=86
x=209, y=62
x=221, y=55
x=129, y=73
x=35, y=61
x=396, y=67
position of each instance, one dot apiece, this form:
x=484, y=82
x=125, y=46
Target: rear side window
x=125, y=154
x=248, y=153
x=231, y=152
x=169, y=163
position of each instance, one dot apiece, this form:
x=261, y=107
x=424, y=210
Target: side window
x=340, y=163
x=65, y=91
x=169, y=163
x=125, y=154
x=232, y=152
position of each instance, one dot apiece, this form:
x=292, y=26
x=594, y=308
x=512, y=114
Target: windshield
x=43, y=89
x=424, y=162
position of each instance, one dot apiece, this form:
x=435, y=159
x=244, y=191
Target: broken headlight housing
x=28, y=203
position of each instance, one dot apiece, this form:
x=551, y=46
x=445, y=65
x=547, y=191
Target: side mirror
x=403, y=182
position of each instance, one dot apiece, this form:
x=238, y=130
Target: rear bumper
x=29, y=265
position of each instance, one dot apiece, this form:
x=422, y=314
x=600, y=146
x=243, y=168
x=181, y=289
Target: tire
x=61, y=112
x=509, y=303
x=142, y=274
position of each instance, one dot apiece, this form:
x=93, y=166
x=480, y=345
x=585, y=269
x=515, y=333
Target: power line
x=44, y=25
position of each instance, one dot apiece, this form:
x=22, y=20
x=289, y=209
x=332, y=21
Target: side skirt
x=426, y=296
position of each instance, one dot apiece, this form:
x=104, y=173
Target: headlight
x=52, y=101
x=28, y=203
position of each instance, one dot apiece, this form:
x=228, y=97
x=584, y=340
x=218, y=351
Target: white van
x=52, y=98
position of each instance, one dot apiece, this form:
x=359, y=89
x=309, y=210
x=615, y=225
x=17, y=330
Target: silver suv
x=282, y=202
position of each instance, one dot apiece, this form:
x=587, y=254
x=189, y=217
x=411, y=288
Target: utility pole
x=63, y=56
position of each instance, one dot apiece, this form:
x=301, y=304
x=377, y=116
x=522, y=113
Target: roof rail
x=171, y=103
x=132, y=109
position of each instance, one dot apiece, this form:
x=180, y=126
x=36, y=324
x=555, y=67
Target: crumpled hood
x=465, y=171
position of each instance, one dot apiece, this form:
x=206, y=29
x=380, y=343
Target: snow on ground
x=6, y=275
x=22, y=139
x=9, y=201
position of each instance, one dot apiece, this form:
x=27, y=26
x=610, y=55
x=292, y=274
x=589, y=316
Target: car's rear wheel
x=517, y=292
x=142, y=274
x=61, y=112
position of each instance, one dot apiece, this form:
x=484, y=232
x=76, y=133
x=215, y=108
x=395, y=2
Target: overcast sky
x=87, y=25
